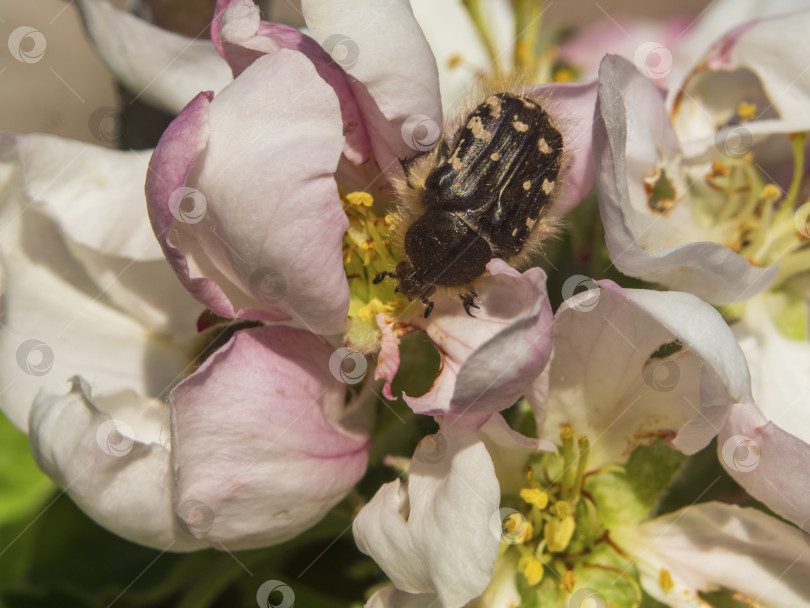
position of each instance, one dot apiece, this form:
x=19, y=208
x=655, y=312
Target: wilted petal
x=768, y=461
x=712, y=544
x=263, y=239
x=256, y=458
x=397, y=82
x=432, y=533
x=488, y=361
x=241, y=37
x=606, y=383
x=94, y=196
x=158, y=66
x=634, y=141
x=111, y=455
x=761, y=62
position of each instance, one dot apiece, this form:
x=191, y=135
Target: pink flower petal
x=256, y=457
x=488, y=361
x=769, y=462
x=263, y=239
x=394, y=75
x=241, y=37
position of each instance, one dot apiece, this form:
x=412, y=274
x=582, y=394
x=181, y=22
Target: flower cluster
x=214, y=360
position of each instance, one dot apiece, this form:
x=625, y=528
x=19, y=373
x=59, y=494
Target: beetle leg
x=428, y=306
x=468, y=300
x=379, y=278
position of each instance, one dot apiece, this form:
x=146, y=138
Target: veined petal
x=258, y=243
x=158, y=66
x=488, y=361
x=432, y=533
x=111, y=455
x=632, y=365
x=241, y=37
x=397, y=82
x=758, y=62
x=634, y=143
x=94, y=197
x=712, y=545
x=255, y=456
x=768, y=461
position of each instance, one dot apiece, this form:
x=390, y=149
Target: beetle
x=483, y=192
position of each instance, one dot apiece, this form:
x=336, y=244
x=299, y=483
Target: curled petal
x=160, y=67
x=245, y=237
x=711, y=545
x=241, y=37
x=768, y=461
x=758, y=62
x=633, y=365
x=394, y=74
x=634, y=143
x=432, y=533
x=111, y=455
x=256, y=458
x=488, y=361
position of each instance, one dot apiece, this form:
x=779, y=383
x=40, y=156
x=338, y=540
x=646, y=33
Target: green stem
x=476, y=14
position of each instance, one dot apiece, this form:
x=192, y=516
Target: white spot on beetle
x=478, y=130
x=454, y=160
x=548, y=187
x=522, y=127
x=543, y=146
x=495, y=156
x=530, y=222
x=527, y=184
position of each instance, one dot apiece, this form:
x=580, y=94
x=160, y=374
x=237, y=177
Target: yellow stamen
x=535, y=497
x=569, y=579
x=558, y=534
x=770, y=193
x=747, y=111
x=561, y=509
x=563, y=75
x=373, y=308
x=665, y=580
x=360, y=199
x=532, y=569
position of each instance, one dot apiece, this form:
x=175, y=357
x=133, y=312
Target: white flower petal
x=604, y=382
x=633, y=139
x=712, y=544
x=95, y=198
x=158, y=66
x=391, y=597
x=780, y=369
x=113, y=462
x=431, y=534
x=58, y=324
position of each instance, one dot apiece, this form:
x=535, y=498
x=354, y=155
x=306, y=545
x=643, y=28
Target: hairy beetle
x=482, y=193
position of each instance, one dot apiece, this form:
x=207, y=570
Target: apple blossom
x=630, y=368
